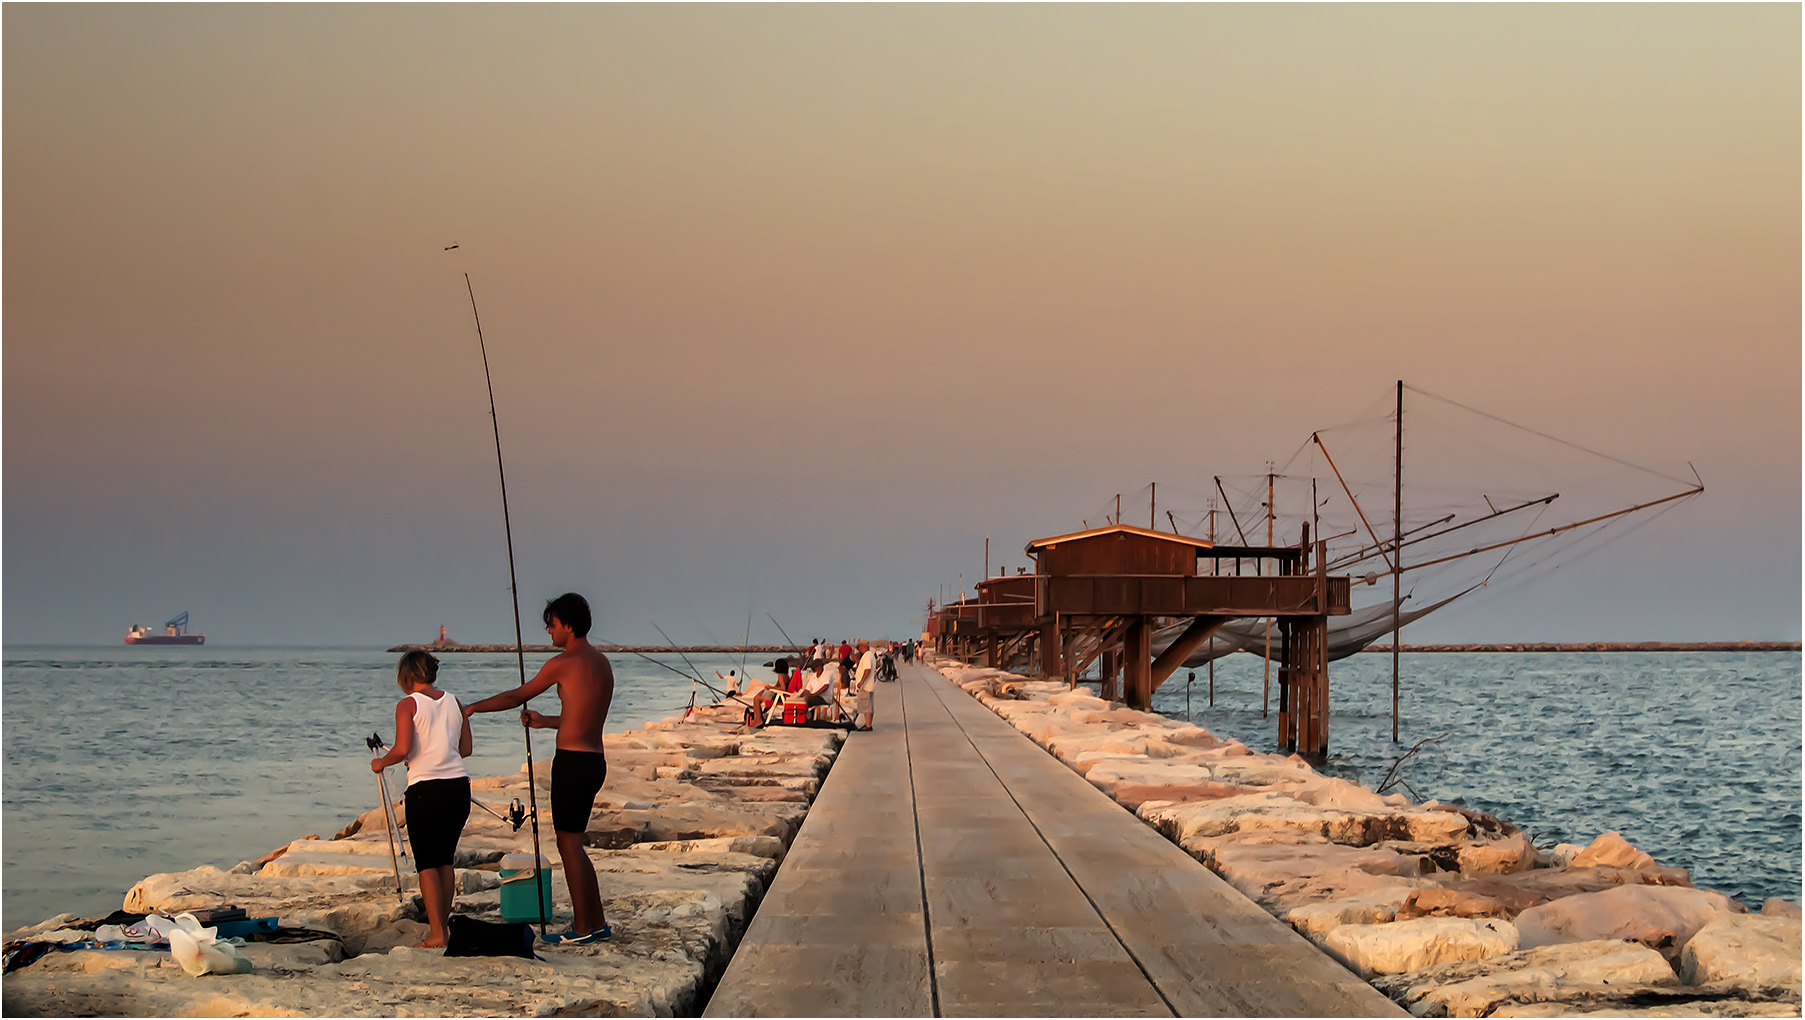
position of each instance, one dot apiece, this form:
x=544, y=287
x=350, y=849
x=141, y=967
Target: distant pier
x=1604, y=646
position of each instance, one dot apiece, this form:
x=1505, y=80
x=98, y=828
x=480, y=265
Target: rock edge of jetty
x=1450, y=912
x=685, y=837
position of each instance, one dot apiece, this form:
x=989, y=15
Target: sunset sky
x=789, y=307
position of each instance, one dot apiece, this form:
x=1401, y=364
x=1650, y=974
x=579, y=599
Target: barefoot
x=430, y=943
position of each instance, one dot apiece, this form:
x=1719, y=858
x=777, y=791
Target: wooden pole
x=1152, y=503
x=1266, y=683
x=1397, y=560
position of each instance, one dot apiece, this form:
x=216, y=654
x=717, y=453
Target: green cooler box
x=521, y=885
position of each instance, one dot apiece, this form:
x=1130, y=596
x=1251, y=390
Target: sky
x=789, y=307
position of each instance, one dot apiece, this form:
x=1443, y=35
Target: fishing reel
x=517, y=814
x=374, y=742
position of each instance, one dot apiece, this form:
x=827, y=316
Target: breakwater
x=685, y=837
x=437, y=648
x=1448, y=910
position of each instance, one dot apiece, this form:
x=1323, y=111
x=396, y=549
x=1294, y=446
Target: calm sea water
x=1694, y=757
x=124, y=762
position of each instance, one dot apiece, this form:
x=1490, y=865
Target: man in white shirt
x=864, y=682
x=817, y=686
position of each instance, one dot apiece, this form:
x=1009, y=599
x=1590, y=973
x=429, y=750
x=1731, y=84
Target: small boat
x=175, y=632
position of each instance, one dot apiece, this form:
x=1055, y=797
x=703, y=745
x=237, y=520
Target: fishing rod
x=745, y=640
x=686, y=676
x=785, y=633
x=679, y=651
x=532, y=785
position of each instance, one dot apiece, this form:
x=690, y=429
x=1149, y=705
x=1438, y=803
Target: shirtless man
x=585, y=685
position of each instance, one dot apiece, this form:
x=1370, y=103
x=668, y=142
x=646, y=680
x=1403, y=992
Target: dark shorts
x=577, y=776
x=436, y=812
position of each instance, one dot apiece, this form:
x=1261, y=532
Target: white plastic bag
x=199, y=951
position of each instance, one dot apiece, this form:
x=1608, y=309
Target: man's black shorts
x=577, y=776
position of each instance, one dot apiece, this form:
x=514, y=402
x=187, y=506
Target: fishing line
x=1544, y=435
x=507, y=524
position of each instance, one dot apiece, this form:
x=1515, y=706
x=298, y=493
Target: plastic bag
x=199, y=951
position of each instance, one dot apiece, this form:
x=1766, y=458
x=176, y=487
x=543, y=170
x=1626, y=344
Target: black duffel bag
x=467, y=936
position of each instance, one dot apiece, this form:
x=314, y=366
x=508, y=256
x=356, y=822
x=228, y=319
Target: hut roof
x=1111, y=529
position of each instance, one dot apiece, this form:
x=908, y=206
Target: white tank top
x=437, y=726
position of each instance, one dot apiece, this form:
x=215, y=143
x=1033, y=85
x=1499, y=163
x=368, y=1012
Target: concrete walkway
x=950, y=867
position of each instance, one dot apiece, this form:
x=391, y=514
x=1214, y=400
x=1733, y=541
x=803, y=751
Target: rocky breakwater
x=685, y=837
x=1451, y=912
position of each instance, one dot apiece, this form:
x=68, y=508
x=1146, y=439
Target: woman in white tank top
x=433, y=737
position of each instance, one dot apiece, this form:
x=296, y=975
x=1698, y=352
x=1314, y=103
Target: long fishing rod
x=694, y=680
x=686, y=676
x=785, y=633
x=532, y=785
x=745, y=639
x=679, y=651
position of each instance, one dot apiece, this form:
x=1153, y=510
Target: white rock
x=1314, y=921
x=1749, y=950
x=1659, y=916
x=1545, y=974
x=1612, y=850
x=1404, y=946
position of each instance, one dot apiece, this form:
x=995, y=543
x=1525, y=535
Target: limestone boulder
x=1281, y=869
x=1339, y=793
x=1444, y=902
x=1660, y=917
x=1404, y=946
x=1548, y=974
x=1747, y=950
x=1314, y=921
x=1776, y=907
x=705, y=821
x=1612, y=1001
x=1522, y=890
x=1191, y=736
x=1611, y=850
x=1079, y=699
x=1107, y=772
x=1181, y=822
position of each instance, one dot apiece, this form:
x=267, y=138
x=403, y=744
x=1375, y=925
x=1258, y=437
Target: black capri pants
x=436, y=812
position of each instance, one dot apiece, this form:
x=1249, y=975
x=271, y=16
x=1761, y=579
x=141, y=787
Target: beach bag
x=467, y=936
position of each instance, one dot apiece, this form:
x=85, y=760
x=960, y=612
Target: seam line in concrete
x=921, y=872
x=1101, y=916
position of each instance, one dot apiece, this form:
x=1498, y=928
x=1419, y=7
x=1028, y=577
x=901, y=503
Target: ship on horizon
x=175, y=632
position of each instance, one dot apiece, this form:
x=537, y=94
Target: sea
x=124, y=762
x=1692, y=757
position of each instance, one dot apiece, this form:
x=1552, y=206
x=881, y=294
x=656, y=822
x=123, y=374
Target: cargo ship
x=175, y=632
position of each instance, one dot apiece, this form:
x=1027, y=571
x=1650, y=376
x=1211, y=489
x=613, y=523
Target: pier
x=950, y=867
